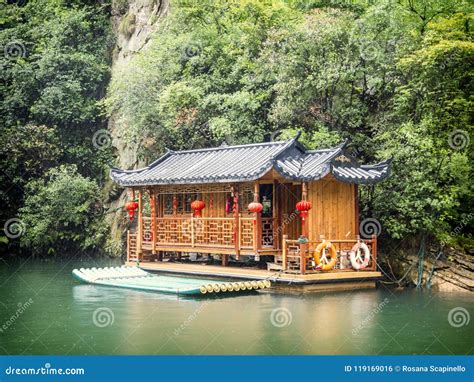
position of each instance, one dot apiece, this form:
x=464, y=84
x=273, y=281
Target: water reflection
x=61, y=320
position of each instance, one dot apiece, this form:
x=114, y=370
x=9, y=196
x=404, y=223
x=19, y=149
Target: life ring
x=322, y=262
x=356, y=259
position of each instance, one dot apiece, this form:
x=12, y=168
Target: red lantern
x=198, y=206
x=131, y=206
x=255, y=207
x=303, y=207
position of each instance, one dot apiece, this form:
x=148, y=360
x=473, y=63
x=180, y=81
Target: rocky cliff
x=133, y=23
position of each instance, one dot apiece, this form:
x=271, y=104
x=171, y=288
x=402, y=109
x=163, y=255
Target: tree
x=62, y=212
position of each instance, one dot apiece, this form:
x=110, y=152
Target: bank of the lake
x=43, y=310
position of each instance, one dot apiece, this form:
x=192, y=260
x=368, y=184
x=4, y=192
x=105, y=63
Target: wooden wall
x=334, y=209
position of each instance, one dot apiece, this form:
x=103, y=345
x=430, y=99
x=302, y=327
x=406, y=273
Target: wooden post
x=175, y=205
x=356, y=202
x=374, y=252
x=192, y=230
x=225, y=260
x=257, y=227
x=235, y=194
x=153, y=227
x=283, y=253
x=128, y=245
x=303, y=258
x=140, y=224
x=277, y=228
x=304, y=232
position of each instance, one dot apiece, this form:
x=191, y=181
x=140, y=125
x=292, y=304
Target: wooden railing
x=268, y=229
x=197, y=232
x=132, y=254
x=298, y=256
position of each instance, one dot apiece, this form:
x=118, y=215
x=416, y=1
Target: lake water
x=43, y=310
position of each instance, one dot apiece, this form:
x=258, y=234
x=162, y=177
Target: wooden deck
x=326, y=280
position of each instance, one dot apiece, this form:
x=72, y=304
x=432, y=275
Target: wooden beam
x=128, y=245
x=257, y=227
x=374, y=252
x=140, y=223
x=225, y=260
x=277, y=208
x=235, y=195
x=304, y=231
x=356, y=205
x=175, y=205
x=192, y=230
x=154, y=229
x=283, y=252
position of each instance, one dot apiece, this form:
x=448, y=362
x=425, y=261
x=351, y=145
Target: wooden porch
x=335, y=280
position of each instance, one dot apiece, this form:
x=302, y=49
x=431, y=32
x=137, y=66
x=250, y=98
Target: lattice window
x=267, y=232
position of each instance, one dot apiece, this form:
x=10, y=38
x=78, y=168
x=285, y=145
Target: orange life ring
x=322, y=262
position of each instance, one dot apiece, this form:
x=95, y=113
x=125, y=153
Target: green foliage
x=60, y=212
x=55, y=67
x=395, y=78
x=199, y=82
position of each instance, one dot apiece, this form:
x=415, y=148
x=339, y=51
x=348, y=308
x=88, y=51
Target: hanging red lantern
x=131, y=206
x=255, y=207
x=198, y=206
x=303, y=207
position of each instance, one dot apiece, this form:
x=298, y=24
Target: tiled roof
x=229, y=164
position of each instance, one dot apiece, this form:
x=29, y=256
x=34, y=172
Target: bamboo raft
x=136, y=278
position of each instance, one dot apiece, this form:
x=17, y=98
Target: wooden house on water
x=276, y=203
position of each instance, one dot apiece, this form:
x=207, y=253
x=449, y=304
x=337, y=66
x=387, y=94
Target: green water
x=43, y=310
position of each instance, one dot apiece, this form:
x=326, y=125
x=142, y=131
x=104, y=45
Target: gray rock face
x=133, y=23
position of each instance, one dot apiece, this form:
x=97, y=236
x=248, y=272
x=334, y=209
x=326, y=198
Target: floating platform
x=136, y=278
x=321, y=281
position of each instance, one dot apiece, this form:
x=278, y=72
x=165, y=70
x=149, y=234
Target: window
x=183, y=203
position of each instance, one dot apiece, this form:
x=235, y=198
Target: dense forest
x=395, y=78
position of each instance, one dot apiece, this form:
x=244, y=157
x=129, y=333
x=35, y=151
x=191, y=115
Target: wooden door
x=289, y=222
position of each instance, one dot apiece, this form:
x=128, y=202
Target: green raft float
x=136, y=278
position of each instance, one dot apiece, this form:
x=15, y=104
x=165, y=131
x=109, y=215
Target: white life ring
x=356, y=259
